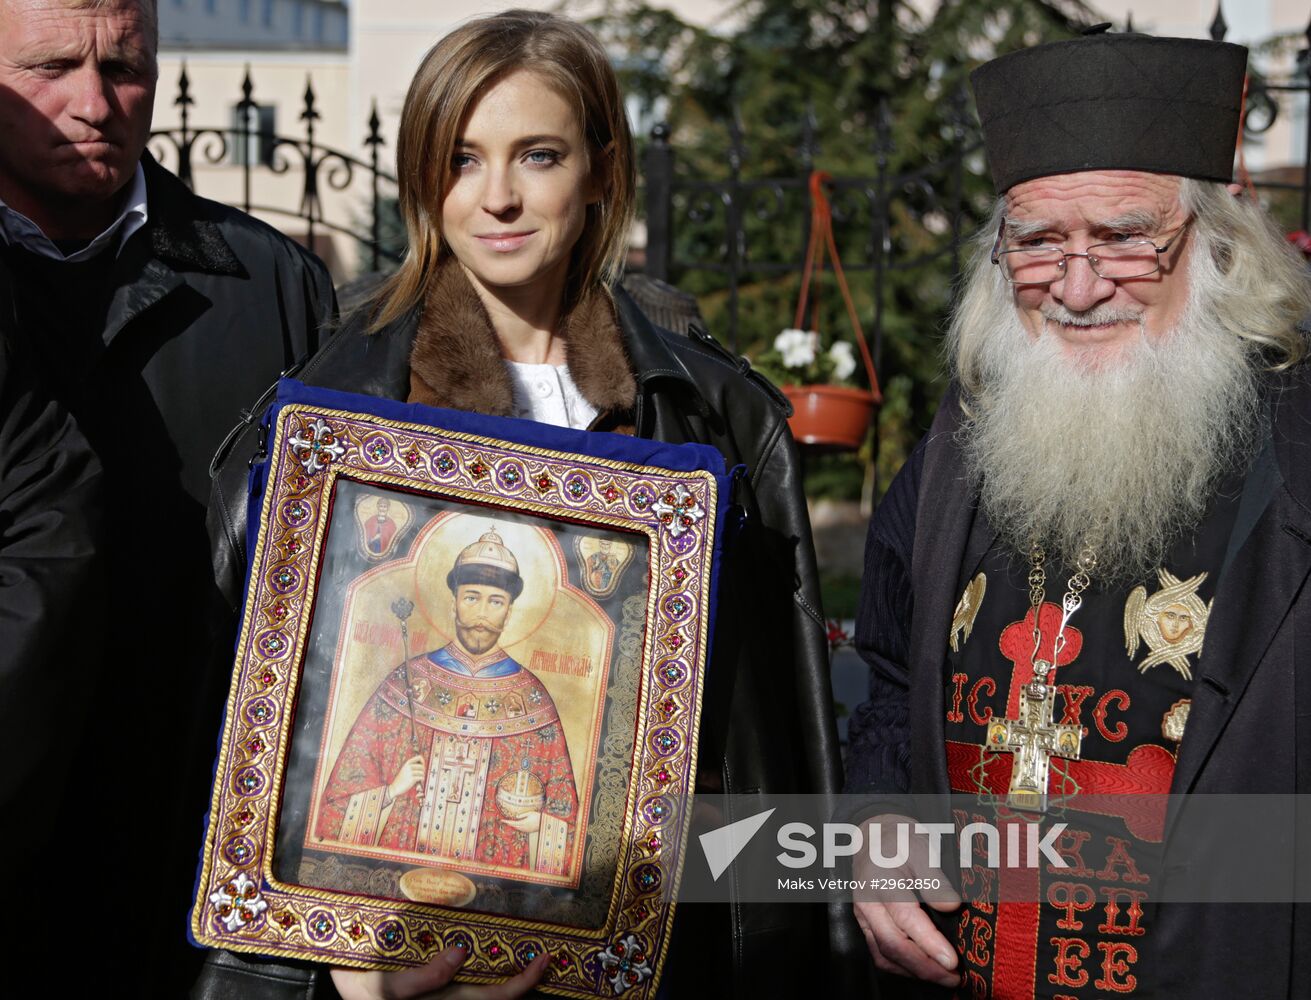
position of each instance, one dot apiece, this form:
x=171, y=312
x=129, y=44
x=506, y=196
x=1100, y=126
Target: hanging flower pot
x=830, y=416
x=826, y=415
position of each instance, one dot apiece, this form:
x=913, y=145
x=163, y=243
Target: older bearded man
x=1118, y=472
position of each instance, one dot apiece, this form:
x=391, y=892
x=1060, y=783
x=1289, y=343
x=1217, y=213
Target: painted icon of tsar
x=459, y=754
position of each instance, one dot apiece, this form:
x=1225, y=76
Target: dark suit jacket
x=154, y=351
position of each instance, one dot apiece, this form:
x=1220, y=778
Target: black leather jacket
x=768, y=711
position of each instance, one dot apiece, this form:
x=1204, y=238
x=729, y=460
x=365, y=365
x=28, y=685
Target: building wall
x=253, y=24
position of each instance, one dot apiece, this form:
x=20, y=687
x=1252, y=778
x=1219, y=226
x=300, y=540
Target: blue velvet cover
x=617, y=447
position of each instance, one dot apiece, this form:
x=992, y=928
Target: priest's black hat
x=1112, y=102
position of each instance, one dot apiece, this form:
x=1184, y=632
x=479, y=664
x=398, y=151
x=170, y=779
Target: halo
x=541, y=564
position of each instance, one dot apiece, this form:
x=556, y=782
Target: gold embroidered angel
x=967, y=609
x=1172, y=622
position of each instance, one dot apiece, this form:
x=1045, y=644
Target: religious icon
x=381, y=521
x=444, y=762
x=1172, y=622
x=602, y=561
x=454, y=715
x=967, y=609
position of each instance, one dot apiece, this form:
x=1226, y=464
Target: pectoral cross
x=1034, y=739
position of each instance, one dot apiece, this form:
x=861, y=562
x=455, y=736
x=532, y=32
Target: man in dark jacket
x=50, y=509
x=1088, y=581
x=152, y=316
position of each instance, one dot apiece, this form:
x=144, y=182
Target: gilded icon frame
x=325, y=470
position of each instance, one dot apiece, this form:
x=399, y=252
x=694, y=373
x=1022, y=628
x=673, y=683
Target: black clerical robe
x=1249, y=728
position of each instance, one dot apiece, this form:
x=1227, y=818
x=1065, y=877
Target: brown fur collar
x=456, y=361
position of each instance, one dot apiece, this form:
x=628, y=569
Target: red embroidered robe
x=482, y=726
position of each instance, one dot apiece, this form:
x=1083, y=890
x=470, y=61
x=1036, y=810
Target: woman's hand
x=428, y=981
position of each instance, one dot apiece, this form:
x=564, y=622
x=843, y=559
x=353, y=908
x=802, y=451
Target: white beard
x=1122, y=454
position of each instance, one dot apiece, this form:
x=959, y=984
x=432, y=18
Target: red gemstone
x=245, y=816
x=478, y=469
x=675, y=641
x=668, y=706
x=611, y=493
x=642, y=912
x=563, y=961
x=680, y=574
x=224, y=909
x=256, y=746
x=619, y=949
x=494, y=950
x=426, y=939
x=357, y=931
x=662, y=776
x=640, y=957
x=653, y=843
x=632, y=977
x=269, y=677
x=543, y=483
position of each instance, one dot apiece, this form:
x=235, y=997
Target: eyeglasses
x=1115, y=261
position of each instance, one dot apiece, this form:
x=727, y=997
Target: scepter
x=402, y=609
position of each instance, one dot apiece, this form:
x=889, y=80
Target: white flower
x=798, y=347
x=843, y=358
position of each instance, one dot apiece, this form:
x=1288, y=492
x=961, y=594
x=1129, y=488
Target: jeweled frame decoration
x=240, y=904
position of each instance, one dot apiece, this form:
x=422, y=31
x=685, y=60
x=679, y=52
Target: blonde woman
x=517, y=186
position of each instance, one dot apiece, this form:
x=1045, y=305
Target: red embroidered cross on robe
x=1086, y=929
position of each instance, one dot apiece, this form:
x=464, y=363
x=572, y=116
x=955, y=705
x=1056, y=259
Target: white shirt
x=548, y=395
x=17, y=229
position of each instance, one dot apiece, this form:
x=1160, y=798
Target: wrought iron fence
x=729, y=206
x=861, y=206
x=322, y=168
